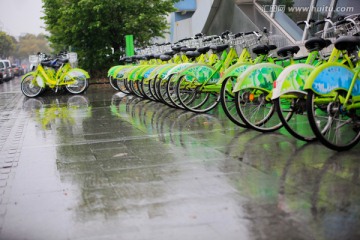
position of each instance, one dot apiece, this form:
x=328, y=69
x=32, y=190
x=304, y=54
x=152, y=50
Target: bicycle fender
x=159, y=69
x=200, y=72
x=120, y=72
x=292, y=80
x=133, y=73
x=39, y=80
x=163, y=72
x=142, y=71
x=75, y=72
x=112, y=70
x=234, y=71
x=332, y=76
x=261, y=76
x=176, y=69
x=28, y=74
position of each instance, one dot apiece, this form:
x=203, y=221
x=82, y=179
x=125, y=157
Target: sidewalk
x=107, y=166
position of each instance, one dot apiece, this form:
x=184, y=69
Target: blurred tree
x=7, y=45
x=93, y=28
x=31, y=44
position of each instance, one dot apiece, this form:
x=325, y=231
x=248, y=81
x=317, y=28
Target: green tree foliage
x=31, y=44
x=93, y=27
x=7, y=45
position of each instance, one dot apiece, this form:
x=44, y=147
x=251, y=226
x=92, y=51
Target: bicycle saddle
x=64, y=60
x=170, y=53
x=46, y=63
x=192, y=55
x=263, y=49
x=186, y=49
x=165, y=57
x=128, y=59
x=219, y=48
x=203, y=49
x=149, y=56
x=288, y=51
x=317, y=44
x=177, y=48
x=349, y=43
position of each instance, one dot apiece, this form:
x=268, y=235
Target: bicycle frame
x=63, y=76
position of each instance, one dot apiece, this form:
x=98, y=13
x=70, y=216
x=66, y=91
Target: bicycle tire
x=152, y=88
x=120, y=83
x=158, y=89
x=256, y=111
x=162, y=86
x=186, y=95
x=113, y=83
x=292, y=113
x=81, y=84
x=30, y=88
x=146, y=90
x=333, y=126
x=171, y=92
x=227, y=99
x=134, y=86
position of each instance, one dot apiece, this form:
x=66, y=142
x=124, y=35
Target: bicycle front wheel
x=30, y=87
x=79, y=84
x=256, y=111
x=113, y=83
x=336, y=128
x=120, y=83
x=227, y=98
x=293, y=115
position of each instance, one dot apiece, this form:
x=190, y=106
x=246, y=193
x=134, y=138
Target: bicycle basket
x=34, y=59
x=278, y=40
x=251, y=39
x=72, y=57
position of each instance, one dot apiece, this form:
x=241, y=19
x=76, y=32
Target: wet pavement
x=107, y=166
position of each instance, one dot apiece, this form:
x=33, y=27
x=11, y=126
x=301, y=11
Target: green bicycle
x=53, y=74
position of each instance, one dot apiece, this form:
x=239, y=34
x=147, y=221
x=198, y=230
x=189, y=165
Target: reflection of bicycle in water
x=62, y=110
x=328, y=184
x=304, y=182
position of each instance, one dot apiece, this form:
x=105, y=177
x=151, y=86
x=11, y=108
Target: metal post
x=129, y=48
x=310, y=15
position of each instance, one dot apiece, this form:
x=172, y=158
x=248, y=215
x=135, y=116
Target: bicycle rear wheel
x=152, y=88
x=120, y=83
x=162, y=92
x=171, y=91
x=29, y=86
x=146, y=89
x=292, y=113
x=134, y=87
x=336, y=128
x=113, y=83
x=256, y=111
x=227, y=98
x=188, y=95
x=79, y=85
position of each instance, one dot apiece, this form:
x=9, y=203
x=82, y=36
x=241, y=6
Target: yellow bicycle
x=54, y=74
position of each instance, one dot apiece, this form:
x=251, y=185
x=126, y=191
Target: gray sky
x=21, y=16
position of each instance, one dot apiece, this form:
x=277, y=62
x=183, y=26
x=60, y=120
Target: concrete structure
x=103, y=165
x=279, y=16
x=189, y=19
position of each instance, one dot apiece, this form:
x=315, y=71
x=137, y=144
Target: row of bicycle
x=313, y=97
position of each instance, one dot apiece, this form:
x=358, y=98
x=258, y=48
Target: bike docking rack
x=179, y=83
x=348, y=26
